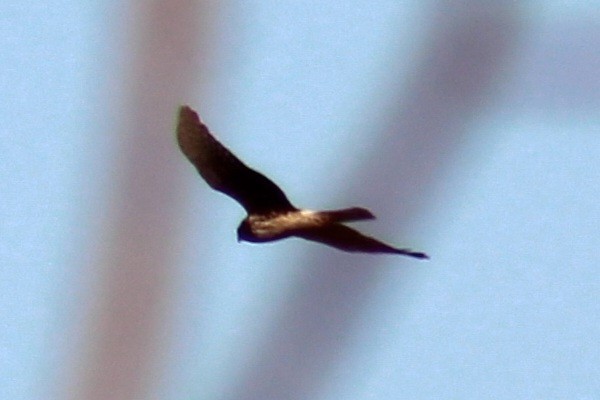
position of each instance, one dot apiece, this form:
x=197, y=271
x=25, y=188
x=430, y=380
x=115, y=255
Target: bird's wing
x=223, y=171
x=345, y=238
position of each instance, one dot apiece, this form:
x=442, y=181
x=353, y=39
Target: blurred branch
x=470, y=43
x=135, y=262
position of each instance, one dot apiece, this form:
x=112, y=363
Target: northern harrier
x=271, y=216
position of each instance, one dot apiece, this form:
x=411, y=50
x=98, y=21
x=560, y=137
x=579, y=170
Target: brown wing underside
x=345, y=238
x=223, y=171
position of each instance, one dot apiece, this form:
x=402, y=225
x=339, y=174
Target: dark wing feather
x=348, y=239
x=225, y=172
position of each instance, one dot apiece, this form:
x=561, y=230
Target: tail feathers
x=348, y=214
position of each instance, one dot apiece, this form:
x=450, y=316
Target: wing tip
x=187, y=113
x=189, y=132
x=421, y=256
x=414, y=254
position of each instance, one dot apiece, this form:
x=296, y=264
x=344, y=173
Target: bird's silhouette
x=271, y=216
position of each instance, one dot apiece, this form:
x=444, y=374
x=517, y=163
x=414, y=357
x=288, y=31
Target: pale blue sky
x=507, y=308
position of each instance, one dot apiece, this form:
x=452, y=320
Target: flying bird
x=271, y=216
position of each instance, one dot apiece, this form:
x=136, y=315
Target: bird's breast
x=280, y=225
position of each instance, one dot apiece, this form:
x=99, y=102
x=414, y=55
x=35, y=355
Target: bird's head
x=244, y=233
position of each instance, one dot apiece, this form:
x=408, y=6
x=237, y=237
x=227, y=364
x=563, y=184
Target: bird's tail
x=347, y=214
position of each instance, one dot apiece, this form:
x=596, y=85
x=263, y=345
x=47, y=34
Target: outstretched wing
x=348, y=239
x=225, y=172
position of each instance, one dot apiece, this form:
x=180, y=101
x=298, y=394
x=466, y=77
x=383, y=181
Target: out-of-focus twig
x=167, y=49
x=470, y=43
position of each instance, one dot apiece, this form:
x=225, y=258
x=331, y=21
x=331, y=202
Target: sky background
x=506, y=308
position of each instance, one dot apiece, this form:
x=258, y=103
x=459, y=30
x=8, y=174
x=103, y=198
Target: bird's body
x=268, y=227
x=280, y=225
x=271, y=216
